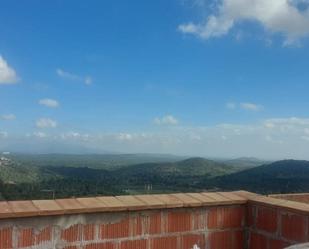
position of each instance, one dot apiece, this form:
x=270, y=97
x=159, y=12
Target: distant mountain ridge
x=188, y=167
x=281, y=176
x=97, y=161
x=68, y=175
x=246, y=162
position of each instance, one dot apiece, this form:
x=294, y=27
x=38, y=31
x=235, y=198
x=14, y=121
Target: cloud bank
x=274, y=138
x=289, y=18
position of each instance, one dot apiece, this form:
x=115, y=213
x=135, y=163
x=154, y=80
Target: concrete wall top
x=33, y=208
x=101, y=204
x=301, y=197
x=275, y=202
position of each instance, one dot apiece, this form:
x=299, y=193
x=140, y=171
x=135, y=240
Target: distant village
x=4, y=161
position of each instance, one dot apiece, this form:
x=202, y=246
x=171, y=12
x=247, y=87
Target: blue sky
x=212, y=78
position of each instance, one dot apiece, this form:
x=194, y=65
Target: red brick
x=26, y=237
x=115, y=230
x=136, y=225
x=72, y=233
x=179, y=222
x=134, y=244
x=43, y=235
x=225, y=217
x=199, y=220
x=277, y=244
x=164, y=243
x=293, y=227
x=226, y=240
x=6, y=238
x=148, y=224
x=89, y=232
x=155, y=223
x=267, y=219
x=107, y=245
x=188, y=241
x=71, y=247
x=250, y=219
x=257, y=241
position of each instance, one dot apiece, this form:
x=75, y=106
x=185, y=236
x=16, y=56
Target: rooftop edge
x=101, y=204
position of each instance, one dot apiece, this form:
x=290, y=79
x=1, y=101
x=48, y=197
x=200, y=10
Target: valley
x=61, y=176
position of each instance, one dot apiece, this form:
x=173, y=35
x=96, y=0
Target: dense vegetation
x=49, y=176
x=98, y=161
x=287, y=176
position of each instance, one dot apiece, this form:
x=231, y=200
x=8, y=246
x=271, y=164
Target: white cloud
x=88, y=80
x=231, y=105
x=74, y=77
x=46, y=123
x=7, y=73
x=188, y=28
x=125, y=136
x=285, y=17
x=67, y=75
x=52, y=103
x=246, y=106
x=251, y=107
x=306, y=138
x=269, y=125
x=223, y=137
x=74, y=135
x=4, y=134
x=275, y=138
x=8, y=116
x=166, y=120
x=40, y=134
x=286, y=139
x=289, y=121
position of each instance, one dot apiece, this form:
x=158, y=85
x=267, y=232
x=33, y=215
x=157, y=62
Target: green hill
x=21, y=180
x=12, y=172
x=285, y=176
x=246, y=162
x=169, y=177
x=97, y=161
x=188, y=167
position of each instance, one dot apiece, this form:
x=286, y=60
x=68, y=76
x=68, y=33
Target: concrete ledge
x=101, y=204
x=17, y=209
x=302, y=246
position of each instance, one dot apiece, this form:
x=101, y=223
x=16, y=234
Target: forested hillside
x=22, y=179
x=285, y=176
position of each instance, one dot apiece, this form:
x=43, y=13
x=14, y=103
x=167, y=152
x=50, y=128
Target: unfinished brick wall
x=236, y=220
x=213, y=228
x=272, y=226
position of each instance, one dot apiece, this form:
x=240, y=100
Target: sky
x=213, y=78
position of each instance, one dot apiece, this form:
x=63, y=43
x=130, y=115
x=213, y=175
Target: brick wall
x=275, y=224
x=238, y=220
x=212, y=227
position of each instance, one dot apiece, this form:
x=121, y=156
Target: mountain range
x=29, y=176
